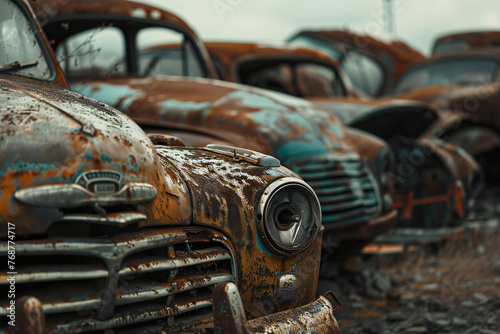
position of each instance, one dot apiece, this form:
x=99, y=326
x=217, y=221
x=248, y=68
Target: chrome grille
x=344, y=185
x=88, y=284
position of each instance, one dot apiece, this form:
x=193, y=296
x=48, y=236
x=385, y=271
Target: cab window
x=365, y=73
x=95, y=52
x=174, y=55
x=20, y=42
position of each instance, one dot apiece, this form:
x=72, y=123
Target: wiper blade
x=17, y=65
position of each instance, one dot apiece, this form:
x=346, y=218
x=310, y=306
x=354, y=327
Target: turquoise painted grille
x=345, y=187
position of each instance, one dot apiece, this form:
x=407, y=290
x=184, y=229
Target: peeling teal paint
x=135, y=166
x=335, y=129
x=106, y=158
x=27, y=166
x=110, y=94
x=182, y=108
x=263, y=248
x=252, y=100
x=89, y=156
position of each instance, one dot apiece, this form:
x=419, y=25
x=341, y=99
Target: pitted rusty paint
x=213, y=184
x=33, y=153
x=100, y=138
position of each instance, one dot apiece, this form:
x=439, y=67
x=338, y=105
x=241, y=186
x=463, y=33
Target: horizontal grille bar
x=42, y=273
x=132, y=316
x=345, y=187
x=157, y=263
x=143, y=291
x=120, y=279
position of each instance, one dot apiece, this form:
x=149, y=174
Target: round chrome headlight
x=289, y=215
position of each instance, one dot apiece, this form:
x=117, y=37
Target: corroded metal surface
x=222, y=191
x=316, y=317
x=149, y=258
x=62, y=134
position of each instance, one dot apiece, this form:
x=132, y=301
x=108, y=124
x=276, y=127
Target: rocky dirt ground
x=451, y=288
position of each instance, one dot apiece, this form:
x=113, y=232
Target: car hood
x=276, y=124
x=384, y=118
x=52, y=136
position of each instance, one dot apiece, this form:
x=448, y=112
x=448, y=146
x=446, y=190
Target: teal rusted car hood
x=277, y=124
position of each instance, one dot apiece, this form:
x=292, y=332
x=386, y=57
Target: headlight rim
x=266, y=199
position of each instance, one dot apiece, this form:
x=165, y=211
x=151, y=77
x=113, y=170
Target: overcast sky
x=417, y=22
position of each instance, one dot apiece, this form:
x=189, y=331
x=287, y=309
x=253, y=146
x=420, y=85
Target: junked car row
x=153, y=196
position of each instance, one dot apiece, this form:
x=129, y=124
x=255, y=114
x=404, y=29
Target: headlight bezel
x=271, y=212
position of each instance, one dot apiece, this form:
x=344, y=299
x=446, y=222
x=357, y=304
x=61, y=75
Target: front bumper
x=229, y=316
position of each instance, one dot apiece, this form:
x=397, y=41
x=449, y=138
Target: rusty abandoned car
x=371, y=64
x=115, y=231
x=156, y=92
x=465, y=83
x=434, y=184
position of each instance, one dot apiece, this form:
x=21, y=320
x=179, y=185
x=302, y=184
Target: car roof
x=235, y=51
x=475, y=38
x=47, y=9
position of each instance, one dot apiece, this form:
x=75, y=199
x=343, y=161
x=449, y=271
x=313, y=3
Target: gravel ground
x=452, y=288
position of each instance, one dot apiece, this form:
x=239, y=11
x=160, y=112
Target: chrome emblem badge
x=101, y=181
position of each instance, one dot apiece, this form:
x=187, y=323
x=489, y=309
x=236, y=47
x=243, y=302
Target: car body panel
x=112, y=231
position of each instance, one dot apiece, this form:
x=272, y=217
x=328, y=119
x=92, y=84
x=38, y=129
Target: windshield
x=20, y=43
x=366, y=74
x=103, y=52
x=299, y=79
x=452, y=46
x=448, y=72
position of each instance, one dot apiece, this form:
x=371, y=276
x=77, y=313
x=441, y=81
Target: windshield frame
x=130, y=26
x=445, y=59
x=343, y=49
x=292, y=61
x=55, y=75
